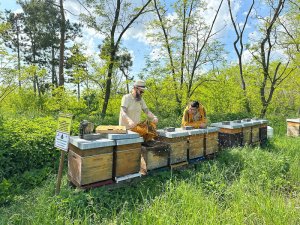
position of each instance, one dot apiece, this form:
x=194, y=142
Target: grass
x=241, y=186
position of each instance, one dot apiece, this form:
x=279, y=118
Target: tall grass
x=241, y=186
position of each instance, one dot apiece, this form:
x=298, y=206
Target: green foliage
x=63, y=101
x=26, y=144
x=18, y=184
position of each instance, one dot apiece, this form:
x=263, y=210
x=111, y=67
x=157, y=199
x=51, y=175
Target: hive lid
x=196, y=131
x=89, y=144
x=294, y=120
x=177, y=133
x=263, y=121
x=129, y=141
x=255, y=121
x=231, y=125
x=211, y=129
x=247, y=124
x=129, y=135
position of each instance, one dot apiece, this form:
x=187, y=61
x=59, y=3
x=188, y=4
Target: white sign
x=62, y=140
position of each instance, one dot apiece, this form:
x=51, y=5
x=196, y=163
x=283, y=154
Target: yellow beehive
x=196, y=146
x=128, y=159
x=178, y=145
x=293, y=127
x=211, y=143
x=89, y=166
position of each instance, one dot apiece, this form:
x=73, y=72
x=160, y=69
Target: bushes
x=26, y=144
x=27, y=154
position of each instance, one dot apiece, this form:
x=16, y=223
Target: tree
x=47, y=31
x=125, y=62
x=112, y=19
x=76, y=65
x=239, y=48
x=12, y=36
x=273, y=72
x=188, y=45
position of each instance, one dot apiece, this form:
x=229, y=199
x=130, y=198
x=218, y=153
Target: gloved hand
x=155, y=120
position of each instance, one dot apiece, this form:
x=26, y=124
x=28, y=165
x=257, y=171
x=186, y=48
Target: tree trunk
x=54, y=78
x=108, y=84
x=78, y=91
x=19, y=59
x=61, y=79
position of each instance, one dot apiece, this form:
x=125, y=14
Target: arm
x=195, y=124
x=126, y=117
x=150, y=115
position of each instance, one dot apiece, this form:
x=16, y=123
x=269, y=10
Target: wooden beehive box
x=247, y=136
x=255, y=132
x=263, y=132
x=178, y=144
x=293, y=127
x=90, y=161
x=246, y=132
x=127, y=156
x=195, y=142
x=230, y=134
x=211, y=140
x=154, y=157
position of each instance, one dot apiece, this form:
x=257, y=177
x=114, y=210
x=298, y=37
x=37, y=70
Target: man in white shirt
x=132, y=105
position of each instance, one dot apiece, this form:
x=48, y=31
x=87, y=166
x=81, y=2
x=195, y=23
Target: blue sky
x=139, y=47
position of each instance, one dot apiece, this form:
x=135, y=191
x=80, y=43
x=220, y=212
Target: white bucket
x=270, y=132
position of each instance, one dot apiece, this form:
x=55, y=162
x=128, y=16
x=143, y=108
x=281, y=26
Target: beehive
x=178, y=144
x=211, y=140
x=230, y=133
x=263, y=132
x=247, y=132
x=154, y=156
x=293, y=127
x=90, y=161
x=196, y=143
x=255, y=140
x=127, y=153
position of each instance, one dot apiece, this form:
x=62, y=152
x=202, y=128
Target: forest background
x=44, y=70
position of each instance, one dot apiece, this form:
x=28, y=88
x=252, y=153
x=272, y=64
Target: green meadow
x=249, y=185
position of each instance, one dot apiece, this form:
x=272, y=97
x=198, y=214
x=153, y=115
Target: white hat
x=140, y=83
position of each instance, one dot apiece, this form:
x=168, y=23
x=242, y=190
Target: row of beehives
x=115, y=156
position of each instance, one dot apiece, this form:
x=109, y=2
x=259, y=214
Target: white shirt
x=134, y=109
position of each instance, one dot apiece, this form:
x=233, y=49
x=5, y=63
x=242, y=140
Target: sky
x=135, y=40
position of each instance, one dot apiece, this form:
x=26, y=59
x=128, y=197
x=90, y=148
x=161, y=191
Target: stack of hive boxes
x=103, y=160
x=247, y=132
x=242, y=132
x=211, y=140
x=196, y=143
x=190, y=144
x=154, y=156
x=178, y=144
x=127, y=153
x=90, y=161
x=230, y=133
x=293, y=127
x=263, y=131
